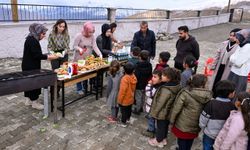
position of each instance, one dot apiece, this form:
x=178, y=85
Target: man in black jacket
x=186, y=45
x=145, y=39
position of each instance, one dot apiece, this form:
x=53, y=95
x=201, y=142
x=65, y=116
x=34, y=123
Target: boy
x=216, y=112
x=135, y=55
x=143, y=73
x=127, y=92
x=163, y=60
x=150, y=90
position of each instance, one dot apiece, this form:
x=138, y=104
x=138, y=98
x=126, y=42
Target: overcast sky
x=147, y=4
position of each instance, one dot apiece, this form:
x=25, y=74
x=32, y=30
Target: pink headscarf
x=87, y=28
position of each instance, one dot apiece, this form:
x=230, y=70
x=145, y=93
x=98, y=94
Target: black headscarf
x=230, y=43
x=106, y=41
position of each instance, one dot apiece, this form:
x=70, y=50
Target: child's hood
x=200, y=94
x=173, y=88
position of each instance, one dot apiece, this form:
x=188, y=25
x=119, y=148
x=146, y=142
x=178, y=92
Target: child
x=188, y=63
x=127, y=92
x=143, y=73
x=162, y=104
x=114, y=78
x=135, y=55
x=187, y=109
x=151, y=88
x=216, y=112
x=163, y=60
x=233, y=135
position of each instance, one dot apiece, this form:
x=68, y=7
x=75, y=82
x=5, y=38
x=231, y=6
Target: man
x=186, y=45
x=145, y=39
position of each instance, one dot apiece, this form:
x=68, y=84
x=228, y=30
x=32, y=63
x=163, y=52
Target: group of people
x=178, y=99
x=174, y=98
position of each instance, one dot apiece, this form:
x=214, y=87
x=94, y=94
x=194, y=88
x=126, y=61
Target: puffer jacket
x=232, y=136
x=163, y=101
x=188, y=107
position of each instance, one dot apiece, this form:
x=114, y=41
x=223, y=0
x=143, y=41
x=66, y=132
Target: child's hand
x=150, y=82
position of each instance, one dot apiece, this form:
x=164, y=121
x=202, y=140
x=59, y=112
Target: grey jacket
x=113, y=89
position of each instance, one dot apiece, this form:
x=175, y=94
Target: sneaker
x=124, y=125
x=164, y=142
x=28, y=102
x=80, y=93
x=148, y=133
x=37, y=105
x=111, y=119
x=153, y=142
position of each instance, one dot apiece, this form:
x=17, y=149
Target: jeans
x=126, y=113
x=114, y=111
x=151, y=124
x=162, y=129
x=185, y=144
x=81, y=86
x=208, y=142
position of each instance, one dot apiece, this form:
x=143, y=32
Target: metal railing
x=30, y=12
x=128, y=13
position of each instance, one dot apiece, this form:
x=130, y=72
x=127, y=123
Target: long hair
x=55, y=29
x=244, y=99
x=114, y=68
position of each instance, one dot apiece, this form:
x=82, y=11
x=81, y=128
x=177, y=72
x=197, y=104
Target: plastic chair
x=208, y=65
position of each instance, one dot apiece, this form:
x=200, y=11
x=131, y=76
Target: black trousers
x=218, y=75
x=162, y=129
x=126, y=112
x=179, y=66
x=57, y=62
x=185, y=144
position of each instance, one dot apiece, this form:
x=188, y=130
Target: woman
x=58, y=42
x=32, y=57
x=222, y=65
x=104, y=41
x=113, y=28
x=84, y=45
x=241, y=61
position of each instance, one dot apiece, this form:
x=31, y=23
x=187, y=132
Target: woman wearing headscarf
x=104, y=41
x=84, y=45
x=241, y=61
x=221, y=64
x=58, y=42
x=32, y=57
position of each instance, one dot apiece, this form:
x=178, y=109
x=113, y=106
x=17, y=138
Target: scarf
x=106, y=41
x=36, y=30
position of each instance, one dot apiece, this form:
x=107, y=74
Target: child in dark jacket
x=163, y=60
x=150, y=90
x=162, y=104
x=143, y=73
x=216, y=112
x=187, y=109
x=135, y=55
x=188, y=63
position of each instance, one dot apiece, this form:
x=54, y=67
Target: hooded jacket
x=188, y=107
x=163, y=101
x=187, y=47
x=127, y=90
x=143, y=73
x=104, y=43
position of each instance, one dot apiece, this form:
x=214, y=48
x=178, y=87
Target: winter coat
x=145, y=43
x=232, y=136
x=187, y=47
x=163, y=101
x=127, y=90
x=143, y=73
x=221, y=52
x=188, y=107
x=113, y=89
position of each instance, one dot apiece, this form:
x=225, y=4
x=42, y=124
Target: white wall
x=12, y=35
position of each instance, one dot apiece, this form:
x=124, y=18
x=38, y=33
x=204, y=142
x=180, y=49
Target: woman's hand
x=52, y=57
